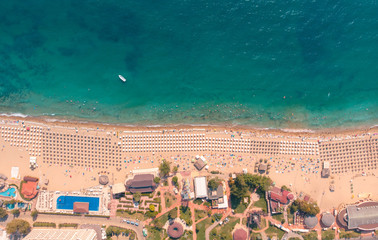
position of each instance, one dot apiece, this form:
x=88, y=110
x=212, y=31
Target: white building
x=62, y=234
x=200, y=187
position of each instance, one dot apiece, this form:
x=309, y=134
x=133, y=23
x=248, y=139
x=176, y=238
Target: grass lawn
x=188, y=235
x=278, y=217
x=160, y=221
x=262, y=224
x=154, y=233
x=224, y=230
x=139, y=216
x=186, y=215
x=201, y=227
x=198, y=201
x=255, y=236
x=237, y=205
x=290, y=217
x=261, y=203
x=199, y=214
x=273, y=231
x=241, y=208
x=244, y=221
x=169, y=199
x=349, y=234
x=328, y=235
x=309, y=236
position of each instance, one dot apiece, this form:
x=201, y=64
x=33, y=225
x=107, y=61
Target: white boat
x=123, y=79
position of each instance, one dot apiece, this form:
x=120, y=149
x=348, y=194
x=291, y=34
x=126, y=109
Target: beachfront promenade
x=97, y=148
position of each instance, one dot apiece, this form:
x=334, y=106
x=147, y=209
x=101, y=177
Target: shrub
x=152, y=208
x=3, y=213
x=34, y=213
x=44, y=224
x=16, y=212
x=74, y=225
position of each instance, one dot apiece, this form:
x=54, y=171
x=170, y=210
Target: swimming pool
x=11, y=192
x=66, y=202
x=11, y=206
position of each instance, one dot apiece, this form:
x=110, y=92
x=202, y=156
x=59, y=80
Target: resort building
x=81, y=207
x=327, y=220
x=278, y=198
x=310, y=222
x=118, y=190
x=199, y=164
x=186, y=192
x=263, y=167
x=175, y=230
x=143, y=183
x=29, y=187
x=326, y=172
x=62, y=234
x=218, y=199
x=363, y=216
x=200, y=187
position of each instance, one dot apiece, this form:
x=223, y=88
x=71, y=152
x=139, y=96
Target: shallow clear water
x=264, y=63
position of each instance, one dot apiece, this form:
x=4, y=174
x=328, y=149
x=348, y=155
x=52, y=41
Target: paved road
x=291, y=235
x=80, y=220
x=208, y=230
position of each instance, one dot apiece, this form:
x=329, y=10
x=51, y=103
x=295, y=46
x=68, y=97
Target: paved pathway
x=80, y=220
x=208, y=230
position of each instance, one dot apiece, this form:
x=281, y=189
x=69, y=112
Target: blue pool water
x=10, y=206
x=21, y=205
x=11, y=192
x=66, y=202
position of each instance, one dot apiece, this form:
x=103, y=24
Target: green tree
x=285, y=188
x=117, y=232
x=18, y=227
x=34, y=214
x=175, y=169
x=164, y=168
x=3, y=213
x=175, y=180
x=137, y=196
x=157, y=180
x=214, y=183
x=309, y=208
x=239, y=188
x=16, y=212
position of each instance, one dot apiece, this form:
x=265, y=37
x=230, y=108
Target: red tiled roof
x=29, y=189
x=30, y=179
x=277, y=197
x=81, y=207
x=280, y=196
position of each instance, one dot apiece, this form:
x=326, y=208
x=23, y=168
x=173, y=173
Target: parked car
x=128, y=222
x=136, y=224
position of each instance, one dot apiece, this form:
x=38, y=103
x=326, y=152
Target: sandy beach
x=73, y=154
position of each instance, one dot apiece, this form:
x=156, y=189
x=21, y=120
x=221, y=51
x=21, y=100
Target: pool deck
x=47, y=200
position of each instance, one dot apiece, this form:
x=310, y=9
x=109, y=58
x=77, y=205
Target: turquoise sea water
x=263, y=63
